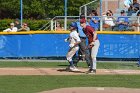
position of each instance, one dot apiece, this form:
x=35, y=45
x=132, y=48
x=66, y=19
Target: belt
x=83, y=37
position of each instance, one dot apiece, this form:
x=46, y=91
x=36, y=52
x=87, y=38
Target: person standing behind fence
x=74, y=40
x=108, y=20
x=12, y=28
x=93, y=44
x=95, y=20
x=59, y=26
x=82, y=53
x=17, y=24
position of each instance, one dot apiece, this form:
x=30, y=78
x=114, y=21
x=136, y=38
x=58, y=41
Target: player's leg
x=91, y=63
x=81, y=52
x=70, y=55
x=94, y=52
x=84, y=52
x=75, y=59
x=82, y=46
x=87, y=57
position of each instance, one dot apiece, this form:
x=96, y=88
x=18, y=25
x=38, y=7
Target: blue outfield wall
x=47, y=45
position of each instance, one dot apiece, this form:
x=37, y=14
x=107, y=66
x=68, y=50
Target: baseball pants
x=93, y=54
x=71, y=53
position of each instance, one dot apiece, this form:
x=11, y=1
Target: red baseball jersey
x=89, y=32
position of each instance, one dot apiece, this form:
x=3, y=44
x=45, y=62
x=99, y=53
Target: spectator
x=11, y=29
x=59, y=26
x=108, y=20
x=130, y=11
x=24, y=27
x=127, y=3
x=94, y=21
x=133, y=11
x=122, y=22
x=134, y=8
x=136, y=24
x=135, y=4
x=17, y=24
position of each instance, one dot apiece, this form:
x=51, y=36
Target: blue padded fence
x=47, y=45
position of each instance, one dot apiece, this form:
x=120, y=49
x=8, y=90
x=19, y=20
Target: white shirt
x=109, y=21
x=74, y=37
x=14, y=29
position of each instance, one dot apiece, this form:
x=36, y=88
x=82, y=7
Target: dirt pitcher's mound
x=93, y=90
x=60, y=71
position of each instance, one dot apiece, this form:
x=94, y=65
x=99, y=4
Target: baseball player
x=93, y=44
x=74, y=41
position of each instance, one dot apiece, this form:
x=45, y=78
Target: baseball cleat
x=91, y=71
x=74, y=69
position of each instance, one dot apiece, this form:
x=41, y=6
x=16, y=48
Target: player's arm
x=126, y=22
x=6, y=30
x=94, y=36
x=117, y=22
x=67, y=39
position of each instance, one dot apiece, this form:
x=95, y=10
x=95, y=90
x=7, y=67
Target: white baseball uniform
x=74, y=37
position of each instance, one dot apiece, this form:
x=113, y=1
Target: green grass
x=34, y=84
x=100, y=65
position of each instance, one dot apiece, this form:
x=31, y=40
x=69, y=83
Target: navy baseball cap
x=73, y=24
x=122, y=11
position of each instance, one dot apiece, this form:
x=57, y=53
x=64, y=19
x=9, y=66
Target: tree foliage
x=39, y=9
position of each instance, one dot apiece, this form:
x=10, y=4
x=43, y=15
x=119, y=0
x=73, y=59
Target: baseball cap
x=73, y=24
x=83, y=20
x=122, y=11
